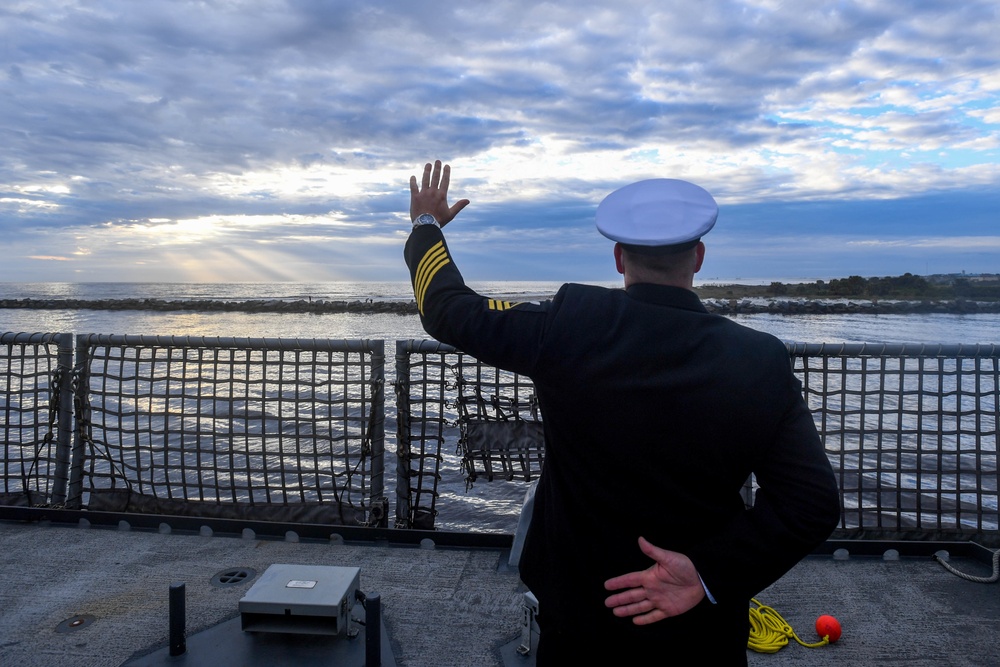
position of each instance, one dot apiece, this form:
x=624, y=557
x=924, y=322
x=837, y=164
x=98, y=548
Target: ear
x=700, y=256
x=618, y=259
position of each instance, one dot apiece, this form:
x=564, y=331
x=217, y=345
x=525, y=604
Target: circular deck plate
x=75, y=623
x=233, y=576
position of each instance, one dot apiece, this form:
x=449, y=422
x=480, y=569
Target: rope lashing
x=979, y=580
x=769, y=632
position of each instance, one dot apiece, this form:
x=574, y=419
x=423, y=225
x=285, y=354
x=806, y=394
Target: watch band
x=426, y=219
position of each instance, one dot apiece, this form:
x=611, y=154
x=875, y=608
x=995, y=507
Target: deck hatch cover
x=234, y=576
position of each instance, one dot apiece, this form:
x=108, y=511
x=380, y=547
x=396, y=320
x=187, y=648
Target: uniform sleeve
x=796, y=507
x=500, y=333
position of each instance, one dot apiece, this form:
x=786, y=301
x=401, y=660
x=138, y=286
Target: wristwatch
x=426, y=219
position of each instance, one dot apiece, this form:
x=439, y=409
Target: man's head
x=677, y=268
x=658, y=225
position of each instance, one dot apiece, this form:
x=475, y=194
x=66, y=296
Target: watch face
x=425, y=219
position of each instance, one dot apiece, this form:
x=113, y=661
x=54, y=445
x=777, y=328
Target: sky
x=273, y=140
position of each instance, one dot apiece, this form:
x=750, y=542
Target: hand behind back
x=669, y=587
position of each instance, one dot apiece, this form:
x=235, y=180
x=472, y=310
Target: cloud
x=279, y=121
x=980, y=243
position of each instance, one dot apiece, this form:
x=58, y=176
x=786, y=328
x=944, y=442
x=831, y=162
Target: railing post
x=402, y=435
x=64, y=436
x=81, y=417
x=376, y=433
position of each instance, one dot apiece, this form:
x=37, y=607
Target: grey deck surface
x=442, y=607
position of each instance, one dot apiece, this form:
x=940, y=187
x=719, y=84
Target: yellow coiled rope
x=769, y=632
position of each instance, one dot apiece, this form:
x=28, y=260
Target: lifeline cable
x=769, y=632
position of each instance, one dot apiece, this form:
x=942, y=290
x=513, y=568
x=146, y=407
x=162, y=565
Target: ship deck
x=445, y=605
x=90, y=543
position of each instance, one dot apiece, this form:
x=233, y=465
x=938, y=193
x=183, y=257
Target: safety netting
x=293, y=430
x=267, y=429
x=912, y=434
x=31, y=471
x=489, y=418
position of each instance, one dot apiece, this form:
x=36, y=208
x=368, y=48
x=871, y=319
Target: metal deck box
x=301, y=599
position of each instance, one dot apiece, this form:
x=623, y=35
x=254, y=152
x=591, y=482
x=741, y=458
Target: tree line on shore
x=906, y=286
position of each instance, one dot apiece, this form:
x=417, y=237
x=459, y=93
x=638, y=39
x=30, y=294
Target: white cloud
x=208, y=121
x=978, y=243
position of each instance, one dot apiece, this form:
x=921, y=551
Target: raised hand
x=432, y=195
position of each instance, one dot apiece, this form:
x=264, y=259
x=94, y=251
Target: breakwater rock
x=215, y=305
x=720, y=306
x=840, y=307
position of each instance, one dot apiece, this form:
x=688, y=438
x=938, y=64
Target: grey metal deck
x=442, y=606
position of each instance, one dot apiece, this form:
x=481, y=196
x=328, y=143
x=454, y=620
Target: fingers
x=670, y=560
x=432, y=194
x=625, y=598
x=630, y=580
x=445, y=176
x=641, y=607
x=436, y=176
x=457, y=206
x=661, y=556
x=652, y=617
x=636, y=604
x=651, y=550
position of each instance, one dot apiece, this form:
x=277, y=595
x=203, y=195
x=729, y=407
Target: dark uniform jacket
x=655, y=412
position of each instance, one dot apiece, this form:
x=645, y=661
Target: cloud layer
x=272, y=140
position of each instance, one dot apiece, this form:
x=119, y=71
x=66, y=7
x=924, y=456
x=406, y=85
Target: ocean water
x=331, y=291
x=834, y=328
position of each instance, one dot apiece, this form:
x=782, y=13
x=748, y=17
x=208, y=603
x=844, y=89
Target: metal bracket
x=529, y=626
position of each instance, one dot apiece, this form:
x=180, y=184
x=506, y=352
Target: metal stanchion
x=372, y=603
x=178, y=645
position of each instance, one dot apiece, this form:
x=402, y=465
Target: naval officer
x=655, y=413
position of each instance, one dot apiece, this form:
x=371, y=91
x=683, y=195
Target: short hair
x=670, y=265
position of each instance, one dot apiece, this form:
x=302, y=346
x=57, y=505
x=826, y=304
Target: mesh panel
x=422, y=387
x=440, y=392
x=501, y=433
x=234, y=424
x=912, y=433
x=28, y=417
x=174, y=425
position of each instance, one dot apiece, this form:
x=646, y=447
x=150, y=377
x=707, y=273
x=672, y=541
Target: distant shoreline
x=717, y=299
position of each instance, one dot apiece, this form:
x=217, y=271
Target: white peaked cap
x=657, y=213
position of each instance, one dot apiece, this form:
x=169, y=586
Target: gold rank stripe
x=496, y=304
x=429, y=265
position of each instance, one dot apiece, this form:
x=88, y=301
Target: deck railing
x=912, y=432
x=452, y=410
x=262, y=429
x=293, y=430
x=36, y=408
